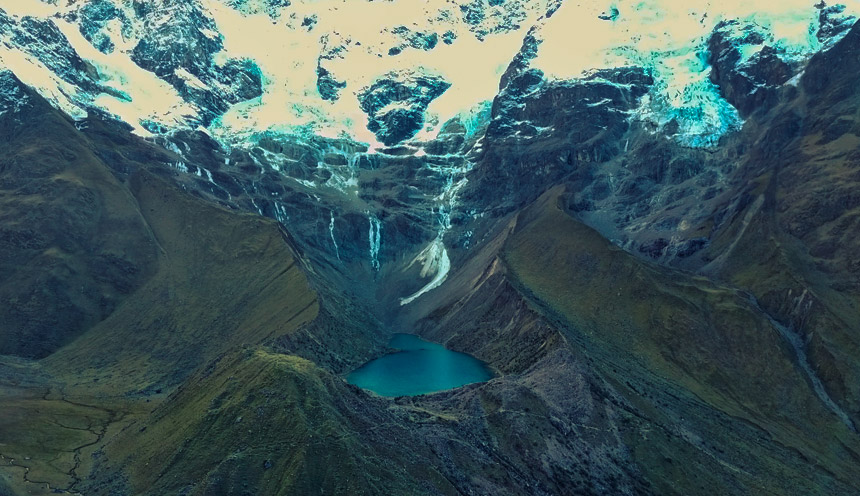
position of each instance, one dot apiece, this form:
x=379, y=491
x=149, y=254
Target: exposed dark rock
x=328, y=85
x=489, y=17
x=183, y=42
x=664, y=248
x=609, y=16
x=473, y=13
x=622, y=376
x=825, y=76
x=269, y=7
x=520, y=63
x=416, y=39
x=541, y=131
x=832, y=22
x=747, y=84
x=579, y=110
x=395, y=104
x=43, y=40
x=94, y=17
x=309, y=22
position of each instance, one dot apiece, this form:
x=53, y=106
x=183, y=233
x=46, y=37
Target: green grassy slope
x=794, y=242
x=125, y=288
x=73, y=245
x=622, y=376
x=693, y=334
x=618, y=376
x=223, y=280
x=255, y=422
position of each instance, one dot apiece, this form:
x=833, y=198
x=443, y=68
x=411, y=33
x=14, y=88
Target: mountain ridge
x=668, y=299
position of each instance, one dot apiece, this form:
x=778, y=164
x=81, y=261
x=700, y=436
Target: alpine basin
x=418, y=367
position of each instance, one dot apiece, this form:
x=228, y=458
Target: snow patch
x=331, y=233
x=142, y=96
x=433, y=258
x=670, y=37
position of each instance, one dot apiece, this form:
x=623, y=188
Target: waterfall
x=375, y=236
x=435, y=256
x=343, y=177
x=331, y=233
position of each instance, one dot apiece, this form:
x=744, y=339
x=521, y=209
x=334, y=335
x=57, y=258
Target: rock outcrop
x=395, y=104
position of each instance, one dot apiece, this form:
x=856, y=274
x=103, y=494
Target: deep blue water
x=419, y=367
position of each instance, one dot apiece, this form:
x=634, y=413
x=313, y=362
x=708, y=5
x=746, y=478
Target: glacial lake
x=418, y=367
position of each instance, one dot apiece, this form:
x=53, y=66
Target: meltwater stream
x=418, y=367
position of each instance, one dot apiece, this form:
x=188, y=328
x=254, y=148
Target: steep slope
x=584, y=386
x=253, y=422
x=790, y=235
x=169, y=282
x=668, y=292
x=203, y=300
x=692, y=328
x=700, y=380
x=74, y=245
x=141, y=262
x=58, y=412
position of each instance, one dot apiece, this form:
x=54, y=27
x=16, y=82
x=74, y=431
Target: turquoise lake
x=418, y=367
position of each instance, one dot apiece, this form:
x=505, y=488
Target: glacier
x=665, y=36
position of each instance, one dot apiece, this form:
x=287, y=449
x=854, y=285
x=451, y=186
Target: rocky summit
x=484, y=247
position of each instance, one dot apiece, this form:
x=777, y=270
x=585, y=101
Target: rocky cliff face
x=179, y=45
x=395, y=104
x=748, y=82
x=543, y=130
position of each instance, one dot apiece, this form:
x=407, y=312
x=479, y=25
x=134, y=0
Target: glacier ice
x=666, y=36
x=669, y=37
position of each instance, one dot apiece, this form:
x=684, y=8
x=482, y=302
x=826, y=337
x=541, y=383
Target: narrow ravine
x=796, y=344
